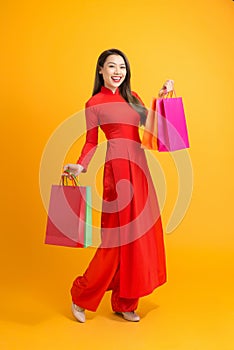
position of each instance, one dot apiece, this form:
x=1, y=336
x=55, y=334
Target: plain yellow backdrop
x=48, y=55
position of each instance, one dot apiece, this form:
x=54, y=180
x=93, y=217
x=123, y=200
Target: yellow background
x=48, y=55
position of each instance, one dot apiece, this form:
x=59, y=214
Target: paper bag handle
x=169, y=94
x=64, y=179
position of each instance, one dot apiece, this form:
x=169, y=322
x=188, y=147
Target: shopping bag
x=69, y=221
x=149, y=138
x=172, y=129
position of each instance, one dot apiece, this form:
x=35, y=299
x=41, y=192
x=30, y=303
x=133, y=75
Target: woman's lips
x=116, y=79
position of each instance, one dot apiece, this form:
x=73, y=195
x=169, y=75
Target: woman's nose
x=117, y=70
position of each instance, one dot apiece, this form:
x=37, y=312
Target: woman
x=131, y=259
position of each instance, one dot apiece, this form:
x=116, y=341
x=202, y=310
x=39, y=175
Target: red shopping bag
x=171, y=124
x=69, y=221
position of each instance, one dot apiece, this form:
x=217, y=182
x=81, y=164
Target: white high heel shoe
x=130, y=316
x=78, y=313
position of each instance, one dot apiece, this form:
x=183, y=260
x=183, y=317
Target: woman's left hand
x=167, y=87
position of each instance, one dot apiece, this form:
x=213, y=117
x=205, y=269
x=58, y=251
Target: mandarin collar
x=107, y=91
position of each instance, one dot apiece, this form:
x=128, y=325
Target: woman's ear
x=100, y=70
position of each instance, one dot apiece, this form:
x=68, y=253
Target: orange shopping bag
x=149, y=139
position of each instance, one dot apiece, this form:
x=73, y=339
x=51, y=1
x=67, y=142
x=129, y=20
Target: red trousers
x=101, y=275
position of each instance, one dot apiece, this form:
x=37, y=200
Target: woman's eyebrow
x=121, y=64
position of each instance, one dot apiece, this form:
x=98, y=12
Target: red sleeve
x=91, y=142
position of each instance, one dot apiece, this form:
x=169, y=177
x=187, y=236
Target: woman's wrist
x=81, y=168
x=162, y=92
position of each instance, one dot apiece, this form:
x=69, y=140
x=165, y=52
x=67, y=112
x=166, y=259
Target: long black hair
x=124, y=88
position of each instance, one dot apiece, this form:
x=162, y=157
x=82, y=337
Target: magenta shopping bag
x=69, y=220
x=172, y=129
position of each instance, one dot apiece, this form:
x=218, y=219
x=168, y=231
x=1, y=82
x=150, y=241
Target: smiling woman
x=131, y=259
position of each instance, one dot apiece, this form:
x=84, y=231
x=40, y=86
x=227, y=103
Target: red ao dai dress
x=131, y=258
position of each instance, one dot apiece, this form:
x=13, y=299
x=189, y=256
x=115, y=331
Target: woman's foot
x=78, y=313
x=130, y=316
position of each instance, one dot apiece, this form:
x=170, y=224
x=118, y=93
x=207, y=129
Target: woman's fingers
x=67, y=167
x=169, y=85
x=72, y=169
x=162, y=92
x=67, y=175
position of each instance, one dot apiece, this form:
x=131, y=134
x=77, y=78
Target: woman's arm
x=91, y=142
x=90, y=145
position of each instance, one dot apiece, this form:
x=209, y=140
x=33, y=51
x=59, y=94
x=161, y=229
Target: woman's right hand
x=74, y=169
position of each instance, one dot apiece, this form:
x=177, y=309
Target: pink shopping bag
x=172, y=128
x=69, y=220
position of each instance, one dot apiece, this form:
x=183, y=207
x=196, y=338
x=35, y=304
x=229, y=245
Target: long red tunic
x=130, y=212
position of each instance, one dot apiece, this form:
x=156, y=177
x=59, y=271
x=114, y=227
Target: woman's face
x=113, y=72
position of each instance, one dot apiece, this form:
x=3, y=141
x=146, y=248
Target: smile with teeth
x=116, y=79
